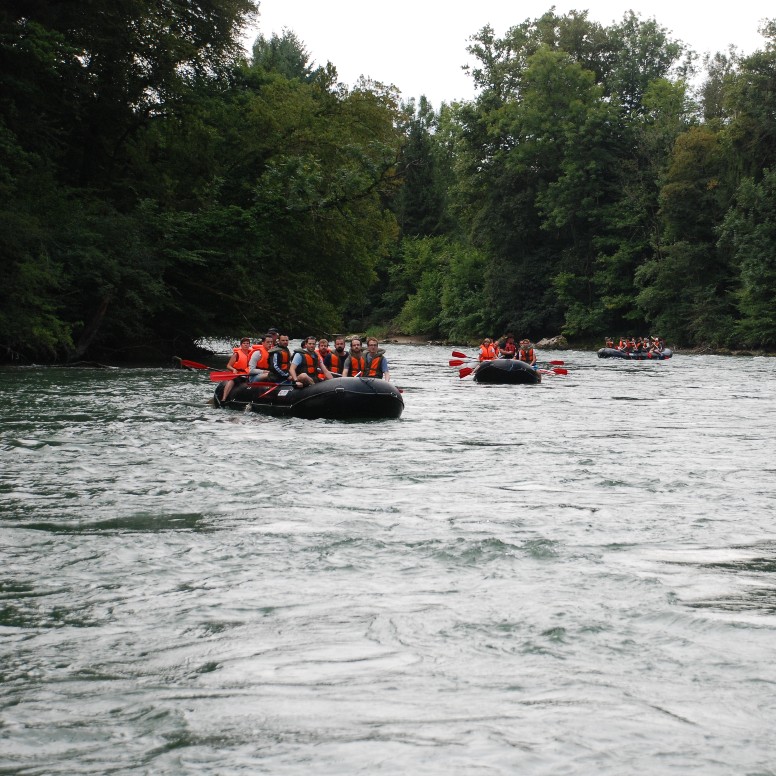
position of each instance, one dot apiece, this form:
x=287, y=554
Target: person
x=376, y=364
x=258, y=366
x=275, y=335
x=487, y=351
x=307, y=367
x=335, y=359
x=322, y=349
x=507, y=347
x=609, y=342
x=238, y=363
x=527, y=353
x=354, y=363
x=279, y=361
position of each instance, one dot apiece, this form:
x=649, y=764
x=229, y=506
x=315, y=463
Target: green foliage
x=156, y=187
x=749, y=231
x=443, y=284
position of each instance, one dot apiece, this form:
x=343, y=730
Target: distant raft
x=507, y=371
x=641, y=356
x=342, y=398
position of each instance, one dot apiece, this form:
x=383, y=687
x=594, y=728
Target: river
x=577, y=577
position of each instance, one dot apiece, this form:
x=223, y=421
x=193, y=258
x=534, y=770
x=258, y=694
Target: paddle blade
x=458, y=354
x=465, y=372
x=557, y=363
x=186, y=364
x=560, y=371
x=456, y=362
x=218, y=377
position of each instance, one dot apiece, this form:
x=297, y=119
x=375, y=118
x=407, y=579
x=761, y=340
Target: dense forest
x=159, y=185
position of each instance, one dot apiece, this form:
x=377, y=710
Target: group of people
x=271, y=360
x=506, y=347
x=638, y=344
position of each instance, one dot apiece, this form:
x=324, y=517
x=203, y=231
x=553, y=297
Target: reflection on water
x=576, y=578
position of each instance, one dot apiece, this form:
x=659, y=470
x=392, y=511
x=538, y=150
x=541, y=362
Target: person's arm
x=295, y=362
x=325, y=369
x=346, y=367
x=252, y=368
x=386, y=370
x=230, y=363
x=276, y=366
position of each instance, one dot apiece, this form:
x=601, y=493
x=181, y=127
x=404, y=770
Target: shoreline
x=404, y=339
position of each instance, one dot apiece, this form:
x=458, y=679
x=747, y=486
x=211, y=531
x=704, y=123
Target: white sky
x=420, y=45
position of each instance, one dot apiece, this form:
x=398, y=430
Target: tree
x=749, y=233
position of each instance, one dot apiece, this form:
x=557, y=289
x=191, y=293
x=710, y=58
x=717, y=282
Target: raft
x=507, y=371
x=342, y=398
x=614, y=353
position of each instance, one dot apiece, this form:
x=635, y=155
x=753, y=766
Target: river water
x=577, y=577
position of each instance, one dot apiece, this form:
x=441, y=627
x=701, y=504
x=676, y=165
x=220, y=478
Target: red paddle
x=218, y=377
x=465, y=372
x=192, y=364
x=458, y=354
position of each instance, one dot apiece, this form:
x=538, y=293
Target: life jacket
x=357, y=365
x=335, y=361
x=284, y=361
x=309, y=364
x=509, y=350
x=487, y=353
x=241, y=362
x=526, y=355
x=263, y=360
x=373, y=366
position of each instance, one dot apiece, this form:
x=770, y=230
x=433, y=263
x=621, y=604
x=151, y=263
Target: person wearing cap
x=527, y=353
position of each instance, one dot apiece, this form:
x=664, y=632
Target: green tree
x=749, y=233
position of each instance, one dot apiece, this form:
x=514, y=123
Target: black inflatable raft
x=507, y=371
x=342, y=398
x=614, y=353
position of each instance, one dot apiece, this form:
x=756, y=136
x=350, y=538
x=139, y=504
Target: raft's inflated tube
x=507, y=371
x=641, y=356
x=342, y=398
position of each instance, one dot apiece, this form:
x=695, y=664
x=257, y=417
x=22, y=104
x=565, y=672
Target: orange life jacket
x=357, y=365
x=263, y=360
x=309, y=364
x=284, y=361
x=526, y=355
x=241, y=362
x=336, y=362
x=487, y=353
x=374, y=364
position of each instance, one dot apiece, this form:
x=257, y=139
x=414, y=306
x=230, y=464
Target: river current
x=577, y=577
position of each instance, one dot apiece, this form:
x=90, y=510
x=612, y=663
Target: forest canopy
x=159, y=185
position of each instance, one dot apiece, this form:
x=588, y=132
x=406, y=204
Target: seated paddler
x=307, y=367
